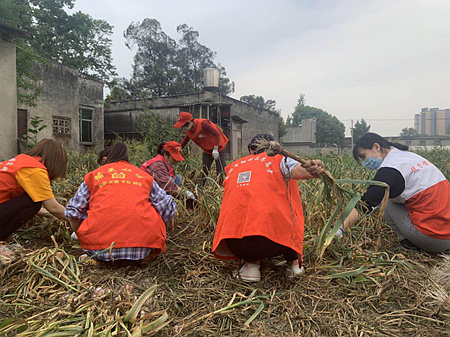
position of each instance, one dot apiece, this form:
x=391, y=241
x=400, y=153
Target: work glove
x=215, y=154
x=340, y=233
x=190, y=195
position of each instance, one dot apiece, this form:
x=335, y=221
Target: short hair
x=53, y=156
x=118, y=152
x=253, y=143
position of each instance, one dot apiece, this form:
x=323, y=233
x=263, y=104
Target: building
x=239, y=121
x=301, y=139
x=432, y=122
x=8, y=92
x=70, y=104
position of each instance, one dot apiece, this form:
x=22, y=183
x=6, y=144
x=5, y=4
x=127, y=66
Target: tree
x=281, y=127
x=360, y=129
x=164, y=67
x=408, y=132
x=76, y=40
x=259, y=102
x=329, y=128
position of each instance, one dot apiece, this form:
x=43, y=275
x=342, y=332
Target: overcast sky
x=381, y=60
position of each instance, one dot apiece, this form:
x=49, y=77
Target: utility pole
x=351, y=132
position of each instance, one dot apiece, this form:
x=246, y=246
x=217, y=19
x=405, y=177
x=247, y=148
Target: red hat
x=174, y=149
x=183, y=118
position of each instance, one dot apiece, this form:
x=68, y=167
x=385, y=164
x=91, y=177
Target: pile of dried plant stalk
x=360, y=287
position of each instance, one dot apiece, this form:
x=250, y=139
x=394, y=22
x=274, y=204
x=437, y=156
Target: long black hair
x=253, y=143
x=369, y=139
x=115, y=153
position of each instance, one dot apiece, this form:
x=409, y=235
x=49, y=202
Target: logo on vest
x=244, y=177
x=99, y=176
x=116, y=175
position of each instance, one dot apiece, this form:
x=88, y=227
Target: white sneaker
x=294, y=269
x=249, y=272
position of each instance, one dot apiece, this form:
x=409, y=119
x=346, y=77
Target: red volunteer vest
x=426, y=195
x=256, y=201
x=154, y=160
x=120, y=210
x=9, y=189
x=204, y=139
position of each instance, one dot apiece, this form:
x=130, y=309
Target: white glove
x=74, y=236
x=340, y=233
x=190, y=195
x=215, y=154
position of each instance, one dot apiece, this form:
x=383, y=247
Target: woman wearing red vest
x=261, y=214
x=208, y=136
x=119, y=203
x=162, y=168
x=419, y=196
x=25, y=185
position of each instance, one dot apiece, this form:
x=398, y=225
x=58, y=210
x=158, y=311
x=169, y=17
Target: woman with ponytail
x=419, y=195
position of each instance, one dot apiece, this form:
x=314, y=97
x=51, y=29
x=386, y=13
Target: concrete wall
x=304, y=133
x=8, y=100
x=64, y=92
x=121, y=116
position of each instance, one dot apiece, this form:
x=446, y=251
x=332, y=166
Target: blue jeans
x=177, y=179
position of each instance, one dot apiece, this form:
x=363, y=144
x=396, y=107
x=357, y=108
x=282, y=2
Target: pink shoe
x=249, y=272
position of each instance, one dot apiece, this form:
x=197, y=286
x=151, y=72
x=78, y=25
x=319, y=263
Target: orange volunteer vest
x=204, y=139
x=154, y=160
x=120, y=210
x=426, y=195
x=9, y=189
x=256, y=201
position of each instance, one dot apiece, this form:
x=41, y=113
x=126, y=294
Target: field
x=364, y=285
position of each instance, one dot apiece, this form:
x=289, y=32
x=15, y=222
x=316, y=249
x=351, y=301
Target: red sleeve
x=206, y=126
x=184, y=142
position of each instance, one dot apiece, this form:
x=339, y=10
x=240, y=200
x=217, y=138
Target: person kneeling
x=119, y=203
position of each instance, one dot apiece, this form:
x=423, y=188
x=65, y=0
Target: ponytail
x=399, y=146
x=159, y=149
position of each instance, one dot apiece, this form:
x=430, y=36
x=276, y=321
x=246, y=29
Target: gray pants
x=397, y=216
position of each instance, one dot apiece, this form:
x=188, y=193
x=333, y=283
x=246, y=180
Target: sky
x=381, y=60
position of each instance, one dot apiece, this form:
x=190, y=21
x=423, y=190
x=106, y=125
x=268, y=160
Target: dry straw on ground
x=357, y=289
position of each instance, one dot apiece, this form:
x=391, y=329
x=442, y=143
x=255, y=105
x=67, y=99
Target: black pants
x=255, y=248
x=15, y=212
x=220, y=165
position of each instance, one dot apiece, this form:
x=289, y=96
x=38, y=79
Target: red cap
x=174, y=149
x=183, y=118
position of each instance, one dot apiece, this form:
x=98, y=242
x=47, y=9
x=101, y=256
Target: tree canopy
x=360, y=129
x=407, y=132
x=329, y=128
x=163, y=66
x=76, y=40
x=260, y=102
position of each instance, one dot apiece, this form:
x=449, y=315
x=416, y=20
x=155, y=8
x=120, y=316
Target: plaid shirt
x=160, y=172
x=78, y=206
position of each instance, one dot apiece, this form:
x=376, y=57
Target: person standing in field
x=418, y=209
x=261, y=214
x=162, y=168
x=207, y=136
x=25, y=185
x=119, y=203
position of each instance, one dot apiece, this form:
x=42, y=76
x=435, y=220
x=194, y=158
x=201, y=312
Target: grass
x=363, y=285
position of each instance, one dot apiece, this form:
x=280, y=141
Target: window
x=422, y=143
x=61, y=125
x=85, y=118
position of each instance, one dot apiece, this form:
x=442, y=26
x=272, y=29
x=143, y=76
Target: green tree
x=329, y=128
x=281, y=127
x=164, y=67
x=260, y=102
x=407, y=132
x=76, y=40
x=360, y=129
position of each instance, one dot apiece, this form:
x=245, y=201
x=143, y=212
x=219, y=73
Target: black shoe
x=405, y=243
